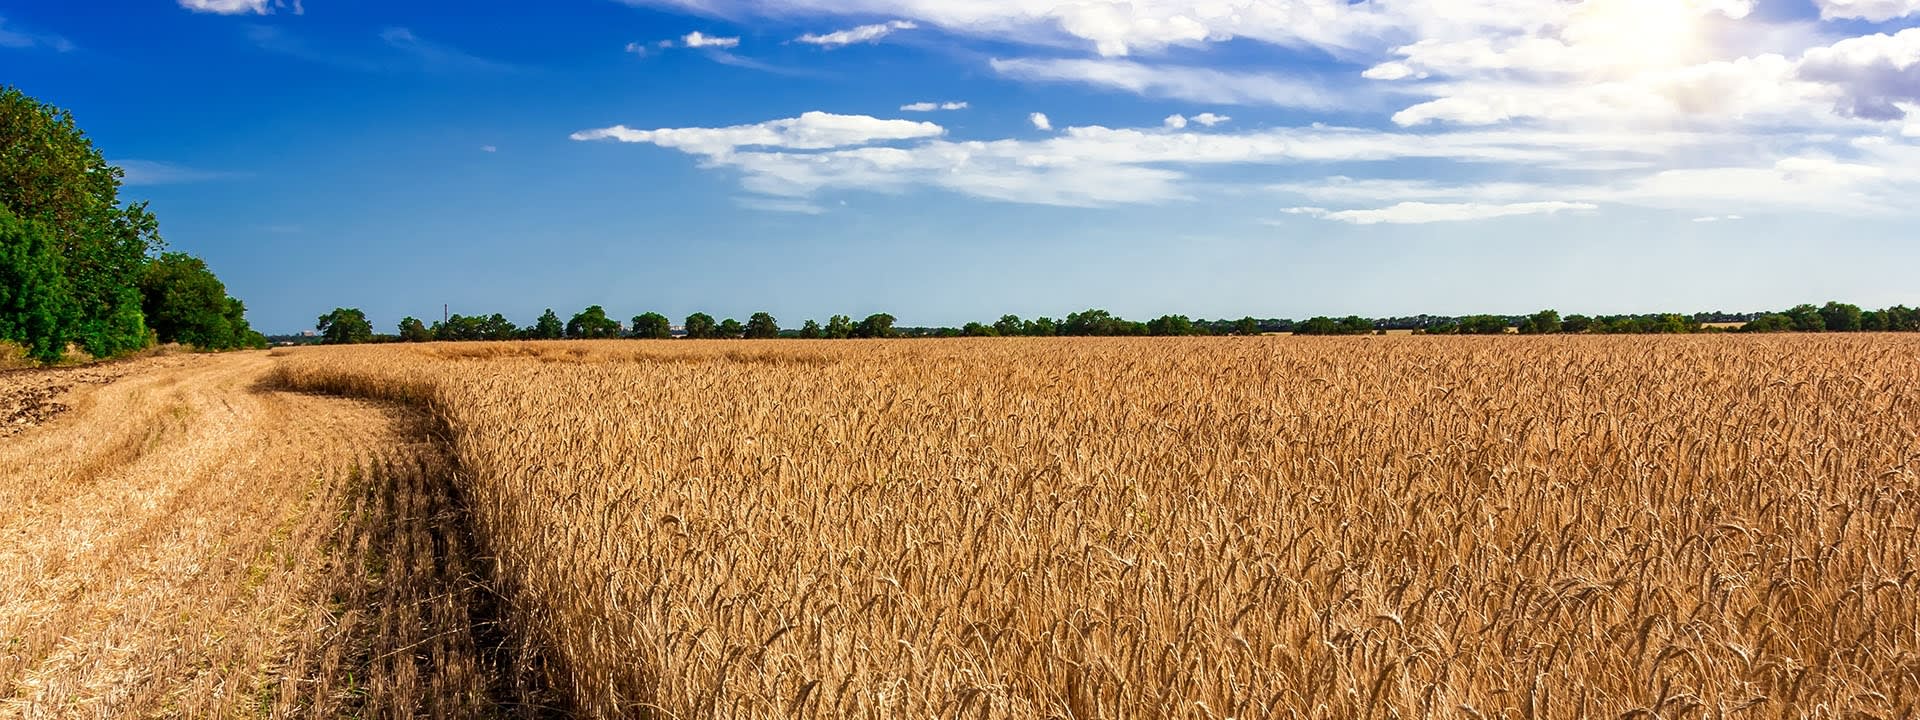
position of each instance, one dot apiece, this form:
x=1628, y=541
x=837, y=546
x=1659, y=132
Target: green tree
x=497, y=327
x=36, y=311
x=839, y=327
x=51, y=173
x=1040, y=327
x=548, y=327
x=1901, y=318
x=877, y=325
x=700, y=326
x=183, y=302
x=761, y=326
x=810, y=331
x=1483, y=325
x=412, y=330
x=730, y=329
x=1171, y=325
x=652, y=326
x=1576, y=324
x=592, y=324
x=344, y=326
x=1545, y=322
x=976, y=329
x=1841, y=317
x=1807, y=318
x=1009, y=325
x=1769, y=323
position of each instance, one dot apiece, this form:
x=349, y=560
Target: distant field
x=1657, y=527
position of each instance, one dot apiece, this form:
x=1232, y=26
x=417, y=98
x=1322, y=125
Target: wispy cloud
x=1193, y=84
x=436, y=56
x=399, y=49
x=932, y=106
x=1420, y=213
x=696, y=39
x=861, y=34
x=1040, y=121
x=20, y=39
x=153, y=172
x=229, y=7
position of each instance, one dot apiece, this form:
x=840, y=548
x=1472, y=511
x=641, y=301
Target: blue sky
x=812, y=157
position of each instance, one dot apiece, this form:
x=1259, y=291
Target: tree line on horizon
x=79, y=269
x=350, y=325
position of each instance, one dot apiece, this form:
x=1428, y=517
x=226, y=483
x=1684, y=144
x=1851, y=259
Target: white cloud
x=1175, y=122
x=696, y=39
x=1872, y=10
x=637, y=49
x=1873, y=74
x=1717, y=218
x=21, y=39
x=1209, y=119
x=862, y=34
x=1414, y=213
x=150, y=172
x=1194, y=84
x=780, y=205
x=228, y=7
x=489, y=149
x=1040, y=121
x=810, y=131
x=932, y=106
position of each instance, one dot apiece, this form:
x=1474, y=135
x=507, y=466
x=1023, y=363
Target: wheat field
x=1706, y=527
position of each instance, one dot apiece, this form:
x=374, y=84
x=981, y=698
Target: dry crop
x=1706, y=527
x=183, y=541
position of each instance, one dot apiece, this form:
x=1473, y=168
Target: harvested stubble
x=1273, y=527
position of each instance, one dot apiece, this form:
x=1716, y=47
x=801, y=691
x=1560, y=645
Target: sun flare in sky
x=1640, y=35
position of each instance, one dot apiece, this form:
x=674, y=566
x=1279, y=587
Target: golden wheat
x=1204, y=528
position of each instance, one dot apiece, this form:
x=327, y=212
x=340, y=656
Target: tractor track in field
x=180, y=538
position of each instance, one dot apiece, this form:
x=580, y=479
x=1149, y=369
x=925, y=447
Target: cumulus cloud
x=1175, y=122
x=811, y=131
x=1201, y=85
x=1040, y=121
x=489, y=149
x=1415, y=213
x=932, y=106
x=861, y=34
x=1872, y=10
x=697, y=39
x=1209, y=119
x=1873, y=74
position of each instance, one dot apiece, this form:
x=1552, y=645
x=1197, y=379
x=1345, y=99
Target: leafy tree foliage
x=975, y=329
x=877, y=325
x=493, y=327
x=1545, y=322
x=839, y=327
x=1248, y=327
x=1576, y=324
x=730, y=328
x=51, y=173
x=653, y=326
x=183, y=302
x=1171, y=325
x=811, y=331
x=548, y=327
x=700, y=326
x=592, y=324
x=344, y=326
x=1807, y=318
x=761, y=326
x=1841, y=317
x=1009, y=325
x=36, y=311
x=1040, y=327
x=412, y=330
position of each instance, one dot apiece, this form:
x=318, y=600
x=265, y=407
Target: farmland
x=1553, y=527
